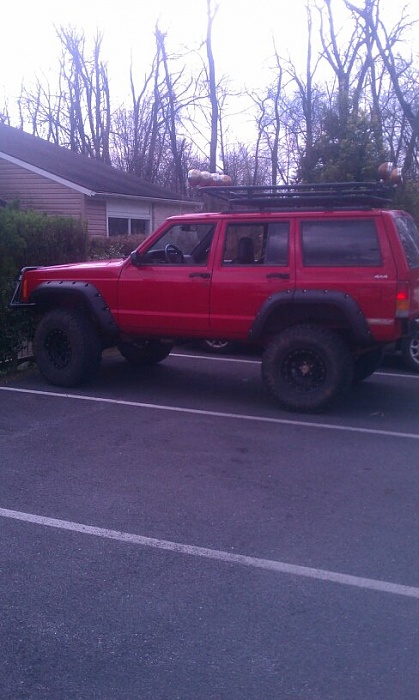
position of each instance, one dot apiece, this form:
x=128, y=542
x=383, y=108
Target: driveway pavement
x=170, y=534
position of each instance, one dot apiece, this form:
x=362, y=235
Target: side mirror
x=136, y=258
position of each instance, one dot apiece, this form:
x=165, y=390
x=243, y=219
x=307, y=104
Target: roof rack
x=335, y=195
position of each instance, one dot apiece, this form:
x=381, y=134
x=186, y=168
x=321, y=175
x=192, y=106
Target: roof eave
x=160, y=200
x=86, y=191
x=47, y=174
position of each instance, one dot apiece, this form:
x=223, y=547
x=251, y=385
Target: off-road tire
x=306, y=367
x=145, y=352
x=365, y=365
x=67, y=348
x=410, y=351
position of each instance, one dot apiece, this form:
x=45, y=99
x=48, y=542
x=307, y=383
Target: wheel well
x=325, y=315
x=74, y=302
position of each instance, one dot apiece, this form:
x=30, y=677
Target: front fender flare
x=45, y=292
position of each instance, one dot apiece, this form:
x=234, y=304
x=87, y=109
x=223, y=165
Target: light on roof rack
x=388, y=172
x=203, y=178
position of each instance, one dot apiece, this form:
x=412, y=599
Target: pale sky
x=242, y=35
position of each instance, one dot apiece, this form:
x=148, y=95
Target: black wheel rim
x=304, y=370
x=58, y=348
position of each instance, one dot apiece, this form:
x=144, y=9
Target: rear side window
x=409, y=237
x=264, y=243
x=340, y=243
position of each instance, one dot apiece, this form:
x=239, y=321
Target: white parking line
x=216, y=358
x=241, y=360
x=216, y=414
x=277, y=567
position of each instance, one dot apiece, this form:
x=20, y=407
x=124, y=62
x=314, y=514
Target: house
x=55, y=180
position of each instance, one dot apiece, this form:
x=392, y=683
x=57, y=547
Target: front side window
x=265, y=243
x=340, y=243
x=185, y=244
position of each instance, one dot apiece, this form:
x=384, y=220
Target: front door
x=168, y=292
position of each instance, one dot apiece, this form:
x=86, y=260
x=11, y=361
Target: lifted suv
x=322, y=277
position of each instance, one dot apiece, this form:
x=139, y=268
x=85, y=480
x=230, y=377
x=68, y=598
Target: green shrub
x=31, y=238
x=16, y=329
x=104, y=248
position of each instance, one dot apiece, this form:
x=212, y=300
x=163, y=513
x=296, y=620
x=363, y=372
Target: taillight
x=402, y=300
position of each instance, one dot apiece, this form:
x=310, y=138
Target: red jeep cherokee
x=321, y=276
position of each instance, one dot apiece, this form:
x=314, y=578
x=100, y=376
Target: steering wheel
x=173, y=254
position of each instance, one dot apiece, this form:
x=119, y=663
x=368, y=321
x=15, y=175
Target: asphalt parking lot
x=168, y=533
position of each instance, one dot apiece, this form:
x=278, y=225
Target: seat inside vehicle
x=245, y=251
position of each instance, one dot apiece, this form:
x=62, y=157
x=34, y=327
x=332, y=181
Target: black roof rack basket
x=335, y=195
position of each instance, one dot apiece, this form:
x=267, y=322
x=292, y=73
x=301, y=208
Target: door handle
x=278, y=275
x=203, y=275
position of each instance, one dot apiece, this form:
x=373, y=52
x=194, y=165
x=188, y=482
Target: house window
x=124, y=226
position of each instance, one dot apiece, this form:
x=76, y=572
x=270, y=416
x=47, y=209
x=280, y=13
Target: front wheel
x=145, y=352
x=67, y=348
x=307, y=367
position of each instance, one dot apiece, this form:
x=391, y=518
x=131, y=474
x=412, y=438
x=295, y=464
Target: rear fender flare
x=283, y=302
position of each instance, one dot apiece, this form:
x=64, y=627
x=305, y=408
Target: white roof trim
x=47, y=174
x=162, y=200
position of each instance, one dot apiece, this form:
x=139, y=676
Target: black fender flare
x=45, y=292
x=346, y=304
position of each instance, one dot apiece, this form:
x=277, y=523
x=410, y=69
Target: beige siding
x=162, y=211
x=38, y=192
x=35, y=191
x=95, y=215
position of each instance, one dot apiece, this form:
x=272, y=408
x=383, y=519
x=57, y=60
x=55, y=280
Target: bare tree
x=88, y=100
x=269, y=120
x=212, y=87
x=401, y=71
x=76, y=112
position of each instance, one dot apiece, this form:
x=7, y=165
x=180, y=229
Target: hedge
x=30, y=238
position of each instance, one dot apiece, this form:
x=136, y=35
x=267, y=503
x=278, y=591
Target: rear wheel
x=145, y=352
x=307, y=367
x=67, y=348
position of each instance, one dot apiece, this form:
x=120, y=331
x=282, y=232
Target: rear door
x=349, y=252
x=254, y=259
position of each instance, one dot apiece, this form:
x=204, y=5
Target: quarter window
x=340, y=243
x=409, y=237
